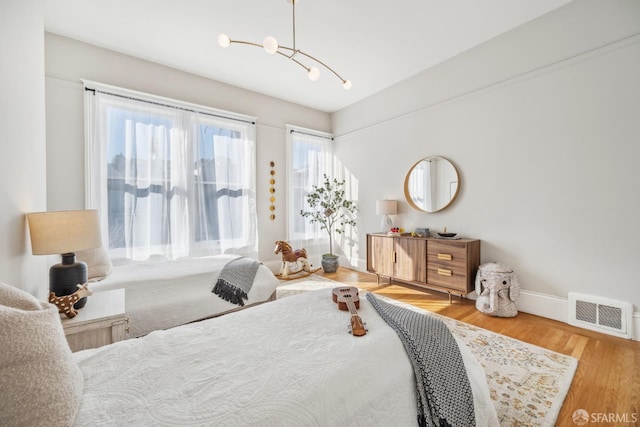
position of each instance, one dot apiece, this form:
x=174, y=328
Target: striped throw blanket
x=235, y=280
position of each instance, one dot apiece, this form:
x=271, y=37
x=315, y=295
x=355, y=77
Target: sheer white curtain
x=155, y=212
x=309, y=157
x=168, y=180
x=225, y=186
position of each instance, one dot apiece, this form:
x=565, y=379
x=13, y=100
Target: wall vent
x=600, y=314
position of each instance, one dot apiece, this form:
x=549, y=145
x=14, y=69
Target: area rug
x=528, y=384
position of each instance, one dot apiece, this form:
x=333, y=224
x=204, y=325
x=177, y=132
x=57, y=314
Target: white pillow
x=40, y=382
x=98, y=263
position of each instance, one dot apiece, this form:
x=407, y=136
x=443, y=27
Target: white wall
x=544, y=126
x=68, y=61
x=541, y=122
x=22, y=141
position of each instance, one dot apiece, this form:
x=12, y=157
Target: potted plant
x=329, y=208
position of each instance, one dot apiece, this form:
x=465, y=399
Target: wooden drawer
x=447, y=265
x=454, y=248
x=448, y=277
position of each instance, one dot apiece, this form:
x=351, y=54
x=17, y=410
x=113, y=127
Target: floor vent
x=600, y=314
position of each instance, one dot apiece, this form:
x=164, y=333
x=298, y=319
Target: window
x=308, y=158
x=168, y=178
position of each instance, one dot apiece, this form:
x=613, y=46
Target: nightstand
x=102, y=321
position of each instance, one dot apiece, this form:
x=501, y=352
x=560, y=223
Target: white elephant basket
x=497, y=290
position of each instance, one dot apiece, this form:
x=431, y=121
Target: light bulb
x=346, y=84
x=224, y=40
x=313, y=74
x=270, y=44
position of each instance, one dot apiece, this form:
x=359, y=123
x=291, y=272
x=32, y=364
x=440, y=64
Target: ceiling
x=373, y=43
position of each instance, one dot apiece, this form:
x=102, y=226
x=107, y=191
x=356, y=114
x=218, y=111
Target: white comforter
x=161, y=295
x=289, y=362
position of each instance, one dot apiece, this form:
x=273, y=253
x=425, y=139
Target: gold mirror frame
x=447, y=186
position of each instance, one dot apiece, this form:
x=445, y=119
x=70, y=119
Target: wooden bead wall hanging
x=272, y=191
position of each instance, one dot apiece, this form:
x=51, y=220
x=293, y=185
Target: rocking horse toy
x=289, y=257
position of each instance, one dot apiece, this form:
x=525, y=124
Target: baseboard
x=556, y=308
x=536, y=303
x=544, y=305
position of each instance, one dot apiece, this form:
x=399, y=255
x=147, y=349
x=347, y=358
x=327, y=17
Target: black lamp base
x=64, y=278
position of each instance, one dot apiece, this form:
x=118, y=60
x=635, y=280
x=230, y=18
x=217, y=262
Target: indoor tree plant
x=332, y=211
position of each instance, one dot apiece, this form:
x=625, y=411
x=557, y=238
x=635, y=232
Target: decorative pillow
x=98, y=263
x=41, y=383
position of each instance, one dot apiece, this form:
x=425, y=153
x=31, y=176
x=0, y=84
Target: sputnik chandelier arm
x=271, y=46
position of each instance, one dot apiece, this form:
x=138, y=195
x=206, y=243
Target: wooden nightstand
x=101, y=321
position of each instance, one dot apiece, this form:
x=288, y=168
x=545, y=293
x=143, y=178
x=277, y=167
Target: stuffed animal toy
x=65, y=303
x=497, y=290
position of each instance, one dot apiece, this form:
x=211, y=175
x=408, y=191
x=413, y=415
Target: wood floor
x=607, y=381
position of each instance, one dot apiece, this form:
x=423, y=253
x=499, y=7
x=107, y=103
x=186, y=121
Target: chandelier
x=271, y=46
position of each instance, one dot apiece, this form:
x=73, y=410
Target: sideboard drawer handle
x=446, y=257
x=444, y=272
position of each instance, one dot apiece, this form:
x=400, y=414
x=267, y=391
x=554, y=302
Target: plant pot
x=330, y=263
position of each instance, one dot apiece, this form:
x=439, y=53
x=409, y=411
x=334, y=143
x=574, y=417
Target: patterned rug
x=528, y=384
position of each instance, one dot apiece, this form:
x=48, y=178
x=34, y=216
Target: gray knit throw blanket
x=443, y=389
x=235, y=280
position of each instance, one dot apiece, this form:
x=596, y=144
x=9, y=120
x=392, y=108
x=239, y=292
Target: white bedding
x=290, y=362
x=161, y=295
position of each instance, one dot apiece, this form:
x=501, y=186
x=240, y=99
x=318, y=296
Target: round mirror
x=432, y=184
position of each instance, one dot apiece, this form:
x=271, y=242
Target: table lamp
x=65, y=232
x=386, y=208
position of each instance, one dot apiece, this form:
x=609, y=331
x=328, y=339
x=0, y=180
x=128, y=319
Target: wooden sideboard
x=444, y=265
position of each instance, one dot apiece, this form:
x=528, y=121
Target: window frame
x=313, y=243
x=196, y=116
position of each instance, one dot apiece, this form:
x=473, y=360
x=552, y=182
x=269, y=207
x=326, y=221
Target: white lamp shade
x=386, y=207
x=64, y=231
x=270, y=44
x=346, y=84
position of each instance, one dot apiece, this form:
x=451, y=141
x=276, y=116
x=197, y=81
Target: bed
x=287, y=363
x=164, y=294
